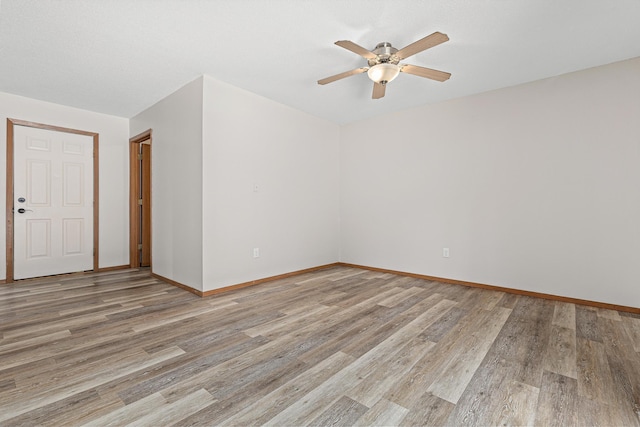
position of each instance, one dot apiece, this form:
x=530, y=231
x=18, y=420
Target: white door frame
x=10, y=179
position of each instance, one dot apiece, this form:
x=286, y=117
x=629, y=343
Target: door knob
x=23, y=210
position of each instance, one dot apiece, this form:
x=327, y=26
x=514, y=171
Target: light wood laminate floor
x=340, y=346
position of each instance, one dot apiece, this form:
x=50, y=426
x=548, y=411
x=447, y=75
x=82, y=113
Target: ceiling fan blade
x=342, y=75
x=378, y=90
x=425, y=72
x=422, y=44
x=349, y=45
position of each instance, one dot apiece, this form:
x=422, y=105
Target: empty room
x=320, y=212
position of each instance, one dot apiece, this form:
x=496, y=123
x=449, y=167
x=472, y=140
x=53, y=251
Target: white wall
x=114, y=178
x=176, y=183
x=533, y=187
x=292, y=157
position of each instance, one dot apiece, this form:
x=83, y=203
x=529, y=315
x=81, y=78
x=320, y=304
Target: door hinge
x=139, y=246
x=140, y=202
x=139, y=156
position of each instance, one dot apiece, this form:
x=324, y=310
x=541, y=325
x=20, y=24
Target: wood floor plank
x=236, y=387
x=517, y=403
x=456, y=374
x=401, y=295
x=594, y=413
x=564, y=315
x=380, y=378
x=189, y=312
x=595, y=381
x=130, y=413
x=7, y=384
x=13, y=407
x=525, y=338
x=8, y=346
x=17, y=358
x=587, y=324
x=443, y=325
x=205, y=337
x=343, y=412
x=348, y=331
x=429, y=310
x=481, y=399
x=509, y=300
x=625, y=370
x=73, y=410
x=517, y=354
x=182, y=369
x=632, y=326
x=429, y=410
x=408, y=389
x=273, y=403
x=406, y=325
x=382, y=413
x=557, y=403
x=291, y=321
x=39, y=366
x=480, y=298
x=561, y=352
x=170, y=413
x=608, y=314
x=53, y=327
x=357, y=328
x=315, y=402
x=374, y=291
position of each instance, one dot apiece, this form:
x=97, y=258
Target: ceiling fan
x=384, y=62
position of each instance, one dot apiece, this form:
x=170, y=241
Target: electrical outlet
x=256, y=252
x=445, y=252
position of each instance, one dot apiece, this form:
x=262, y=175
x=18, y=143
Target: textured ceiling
x=121, y=56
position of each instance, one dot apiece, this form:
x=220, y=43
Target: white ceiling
x=121, y=56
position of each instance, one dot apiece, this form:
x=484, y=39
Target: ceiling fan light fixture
x=383, y=62
x=383, y=73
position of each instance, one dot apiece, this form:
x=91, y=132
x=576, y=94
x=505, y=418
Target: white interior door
x=53, y=202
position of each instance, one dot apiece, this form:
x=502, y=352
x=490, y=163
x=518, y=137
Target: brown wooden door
x=140, y=200
x=145, y=215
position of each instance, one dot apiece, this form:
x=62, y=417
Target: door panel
x=145, y=223
x=38, y=238
x=53, y=225
x=72, y=236
x=39, y=183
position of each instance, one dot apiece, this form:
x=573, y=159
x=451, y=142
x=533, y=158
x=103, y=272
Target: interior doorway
x=140, y=200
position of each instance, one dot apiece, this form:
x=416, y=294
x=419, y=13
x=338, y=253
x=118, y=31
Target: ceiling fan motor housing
x=385, y=53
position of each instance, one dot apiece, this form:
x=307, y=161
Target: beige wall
x=531, y=187
x=114, y=178
x=176, y=183
x=293, y=159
